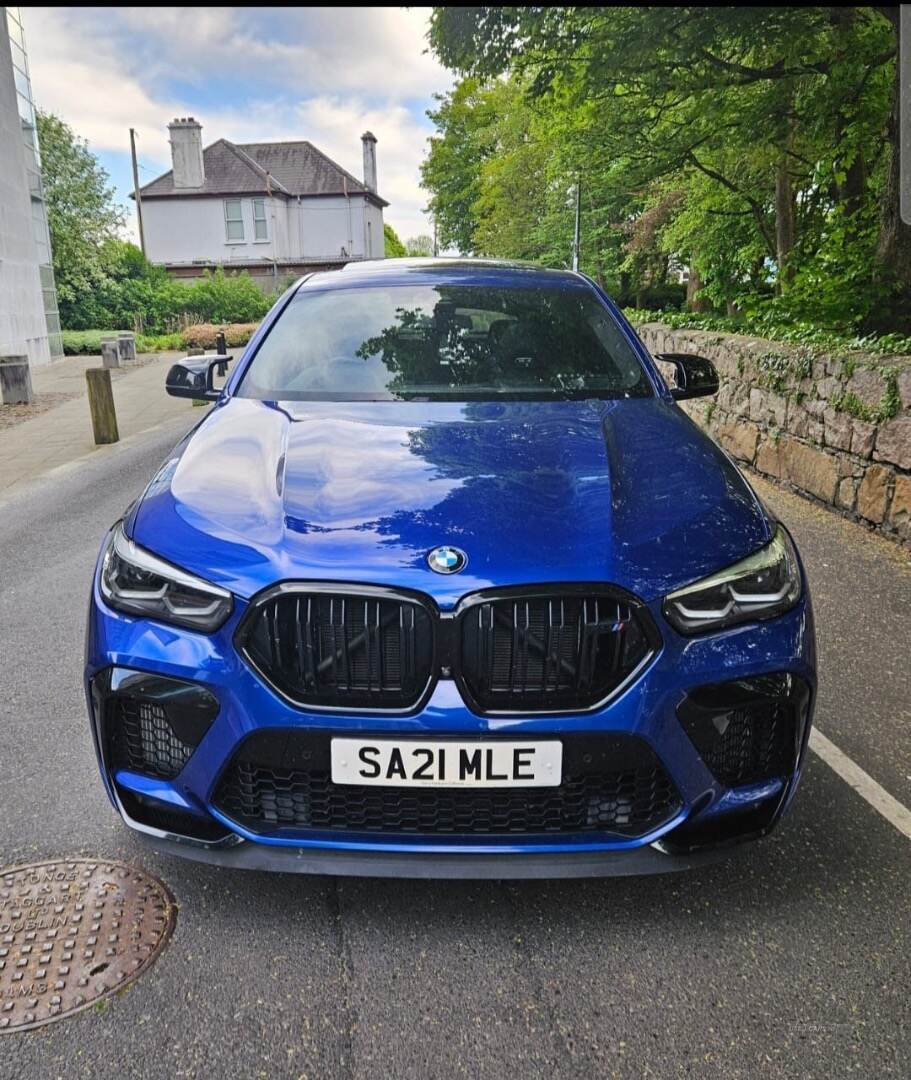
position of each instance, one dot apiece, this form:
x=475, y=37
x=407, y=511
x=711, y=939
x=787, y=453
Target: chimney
x=186, y=152
x=369, y=141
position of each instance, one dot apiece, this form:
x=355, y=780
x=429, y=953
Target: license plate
x=394, y=763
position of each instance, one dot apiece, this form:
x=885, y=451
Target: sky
x=248, y=75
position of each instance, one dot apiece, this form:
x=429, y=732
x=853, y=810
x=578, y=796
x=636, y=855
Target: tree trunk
x=784, y=223
x=851, y=192
x=693, y=285
x=893, y=252
x=625, y=294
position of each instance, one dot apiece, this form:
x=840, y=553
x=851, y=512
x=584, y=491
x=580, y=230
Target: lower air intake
x=748, y=730
x=150, y=724
x=281, y=781
x=143, y=740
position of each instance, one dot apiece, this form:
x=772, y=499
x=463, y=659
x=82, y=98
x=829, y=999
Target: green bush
x=197, y=337
x=658, y=297
x=230, y=298
x=82, y=342
x=134, y=293
x=160, y=343
x=764, y=326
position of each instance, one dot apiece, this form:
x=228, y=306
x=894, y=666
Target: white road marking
x=864, y=784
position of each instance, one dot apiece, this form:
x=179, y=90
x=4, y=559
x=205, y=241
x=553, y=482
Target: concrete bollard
x=101, y=405
x=126, y=345
x=110, y=353
x=15, y=381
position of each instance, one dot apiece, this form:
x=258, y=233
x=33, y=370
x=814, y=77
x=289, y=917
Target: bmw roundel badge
x=447, y=560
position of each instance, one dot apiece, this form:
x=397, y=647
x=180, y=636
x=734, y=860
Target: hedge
x=198, y=336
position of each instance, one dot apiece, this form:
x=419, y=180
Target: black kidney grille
x=141, y=739
x=611, y=785
x=341, y=650
x=550, y=652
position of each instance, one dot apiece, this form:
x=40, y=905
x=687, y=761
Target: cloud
x=248, y=74
x=328, y=50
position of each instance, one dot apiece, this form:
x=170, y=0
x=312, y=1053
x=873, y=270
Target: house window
x=234, y=220
x=260, y=230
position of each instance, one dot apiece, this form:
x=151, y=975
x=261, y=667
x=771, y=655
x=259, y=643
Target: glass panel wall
x=33, y=166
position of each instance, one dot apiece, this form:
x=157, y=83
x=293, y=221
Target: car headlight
x=759, y=587
x=135, y=581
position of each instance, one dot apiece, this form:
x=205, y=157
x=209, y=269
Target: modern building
x=29, y=319
x=271, y=208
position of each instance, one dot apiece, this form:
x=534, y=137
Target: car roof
x=452, y=269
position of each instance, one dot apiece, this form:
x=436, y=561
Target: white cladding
x=183, y=231
x=187, y=228
x=23, y=327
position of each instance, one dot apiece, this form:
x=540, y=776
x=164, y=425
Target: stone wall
x=834, y=426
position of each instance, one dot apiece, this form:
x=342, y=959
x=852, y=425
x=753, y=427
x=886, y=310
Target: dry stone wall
x=833, y=426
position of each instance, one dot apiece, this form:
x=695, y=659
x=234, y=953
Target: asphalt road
x=792, y=959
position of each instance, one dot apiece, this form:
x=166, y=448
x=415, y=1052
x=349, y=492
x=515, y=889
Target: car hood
x=629, y=492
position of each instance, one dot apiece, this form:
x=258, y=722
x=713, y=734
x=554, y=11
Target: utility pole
x=142, y=239
x=576, y=230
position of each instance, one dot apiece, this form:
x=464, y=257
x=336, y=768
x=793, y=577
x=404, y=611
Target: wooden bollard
x=101, y=404
x=110, y=353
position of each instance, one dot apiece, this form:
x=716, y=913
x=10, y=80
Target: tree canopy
x=83, y=218
x=394, y=248
x=756, y=146
x=419, y=245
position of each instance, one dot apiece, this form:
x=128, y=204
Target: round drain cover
x=74, y=932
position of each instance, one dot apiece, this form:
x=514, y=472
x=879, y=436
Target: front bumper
x=180, y=814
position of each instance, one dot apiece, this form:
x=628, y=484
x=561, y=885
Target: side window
x=234, y=220
x=260, y=229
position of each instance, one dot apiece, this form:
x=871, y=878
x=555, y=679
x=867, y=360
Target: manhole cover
x=74, y=932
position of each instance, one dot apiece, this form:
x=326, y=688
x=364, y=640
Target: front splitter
x=494, y=866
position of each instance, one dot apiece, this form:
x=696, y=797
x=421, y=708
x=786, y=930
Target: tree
x=419, y=245
x=83, y=217
x=394, y=248
x=893, y=251
x=450, y=171
x=774, y=122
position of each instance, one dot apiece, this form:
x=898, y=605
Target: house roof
x=284, y=168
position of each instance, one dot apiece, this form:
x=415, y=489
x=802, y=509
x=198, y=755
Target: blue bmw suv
x=445, y=583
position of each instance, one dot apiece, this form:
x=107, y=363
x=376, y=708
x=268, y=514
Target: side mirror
x=192, y=377
x=696, y=376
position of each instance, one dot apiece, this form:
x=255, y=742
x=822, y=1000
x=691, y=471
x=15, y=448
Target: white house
x=270, y=208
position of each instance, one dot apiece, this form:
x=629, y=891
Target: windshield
x=444, y=342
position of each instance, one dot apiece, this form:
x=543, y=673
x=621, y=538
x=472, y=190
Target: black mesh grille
x=549, y=653
x=342, y=649
x=141, y=739
x=745, y=731
x=611, y=785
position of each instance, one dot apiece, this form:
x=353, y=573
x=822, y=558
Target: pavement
x=62, y=434
x=791, y=959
